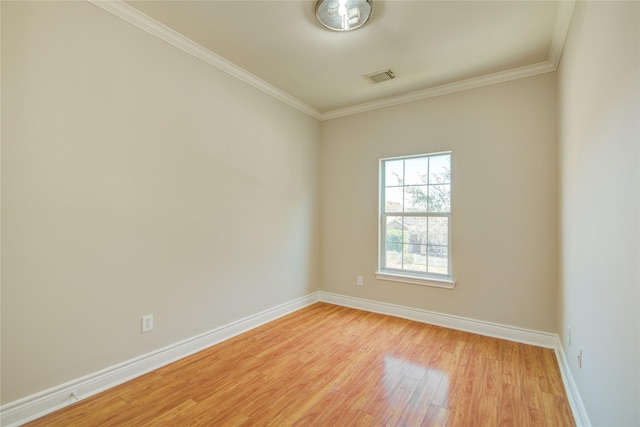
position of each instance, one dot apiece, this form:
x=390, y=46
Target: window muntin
x=415, y=216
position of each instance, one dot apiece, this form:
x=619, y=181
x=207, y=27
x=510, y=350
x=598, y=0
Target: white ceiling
x=432, y=46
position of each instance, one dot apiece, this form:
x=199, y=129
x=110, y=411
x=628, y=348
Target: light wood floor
x=333, y=366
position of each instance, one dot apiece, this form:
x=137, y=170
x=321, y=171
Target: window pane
x=393, y=172
x=416, y=171
x=438, y=261
x=439, y=199
x=393, y=255
x=393, y=199
x=414, y=258
x=438, y=231
x=393, y=231
x=415, y=230
x=416, y=197
x=440, y=169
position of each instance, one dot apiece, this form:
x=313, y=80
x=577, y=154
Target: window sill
x=416, y=280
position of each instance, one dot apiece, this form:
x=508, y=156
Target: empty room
x=330, y=213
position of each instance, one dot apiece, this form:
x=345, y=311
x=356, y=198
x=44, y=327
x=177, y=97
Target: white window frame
x=408, y=276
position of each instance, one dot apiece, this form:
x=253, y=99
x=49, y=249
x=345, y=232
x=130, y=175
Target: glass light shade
x=343, y=15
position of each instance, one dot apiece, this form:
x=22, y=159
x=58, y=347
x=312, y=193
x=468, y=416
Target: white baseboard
x=42, y=403
x=511, y=333
x=575, y=401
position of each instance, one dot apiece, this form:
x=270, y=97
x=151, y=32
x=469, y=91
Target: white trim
x=473, y=83
x=39, y=404
x=496, y=330
x=444, y=283
x=560, y=31
x=575, y=401
x=150, y=25
x=144, y=22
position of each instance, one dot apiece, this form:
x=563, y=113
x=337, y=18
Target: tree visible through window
x=415, y=216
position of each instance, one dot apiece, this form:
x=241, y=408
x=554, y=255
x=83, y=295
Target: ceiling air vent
x=381, y=76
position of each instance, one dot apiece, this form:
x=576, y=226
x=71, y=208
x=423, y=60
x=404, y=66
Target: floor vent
x=381, y=76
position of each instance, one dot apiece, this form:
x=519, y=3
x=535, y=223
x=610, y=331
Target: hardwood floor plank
x=420, y=402
x=392, y=413
x=137, y=387
x=437, y=417
x=509, y=406
x=491, y=380
x=556, y=410
x=321, y=411
x=161, y=417
x=327, y=365
x=300, y=405
x=535, y=417
x=91, y=412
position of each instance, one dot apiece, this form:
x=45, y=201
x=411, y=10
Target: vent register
x=381, y=76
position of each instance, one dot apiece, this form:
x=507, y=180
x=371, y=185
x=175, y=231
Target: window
x=415, y=220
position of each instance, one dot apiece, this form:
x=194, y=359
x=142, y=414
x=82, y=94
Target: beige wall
x=137, y=179
x=599, y=135
x=504, y=172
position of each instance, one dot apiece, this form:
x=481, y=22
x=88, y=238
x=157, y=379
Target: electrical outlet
x=359, y=281
x=579, y=357
x=147, y=323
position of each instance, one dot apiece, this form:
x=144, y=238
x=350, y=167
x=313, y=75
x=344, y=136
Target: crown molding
x=459, y=86
x=560, y=31
x=145, y=23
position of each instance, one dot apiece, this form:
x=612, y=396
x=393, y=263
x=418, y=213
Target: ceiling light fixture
x=343, y=15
